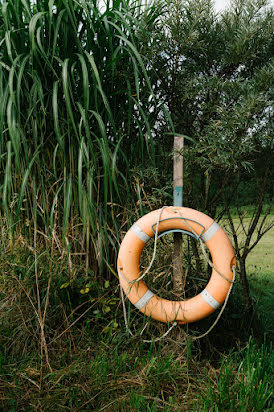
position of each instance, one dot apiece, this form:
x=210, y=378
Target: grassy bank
x=122, y=376
x=64, y=344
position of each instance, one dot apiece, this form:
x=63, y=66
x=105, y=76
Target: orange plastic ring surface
x=163, y=310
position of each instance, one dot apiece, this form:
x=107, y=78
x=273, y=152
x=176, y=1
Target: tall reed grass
x=77, y=107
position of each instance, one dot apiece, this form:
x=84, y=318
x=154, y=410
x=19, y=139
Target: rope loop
x=198, y=237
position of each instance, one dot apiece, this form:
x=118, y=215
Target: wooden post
x=178, y=283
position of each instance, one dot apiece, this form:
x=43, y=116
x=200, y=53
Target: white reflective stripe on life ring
x=210, y=299
x=140, y=233
x=144, y=299
x=210, y=232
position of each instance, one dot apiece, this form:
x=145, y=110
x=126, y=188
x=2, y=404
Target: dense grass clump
x=248, y=387
x=75, y=115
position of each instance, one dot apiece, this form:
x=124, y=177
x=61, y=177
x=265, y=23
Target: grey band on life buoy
x=144, y=299
x=210, y=232
x=210, y=299
x=140, y=233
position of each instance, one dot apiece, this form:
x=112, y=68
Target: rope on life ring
x=196, y=224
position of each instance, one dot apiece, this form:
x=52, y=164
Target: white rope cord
x=154, y=252
x=211, y=264
x=221, y=311
x=203, y=247
x=125, y=311
x=129, y=330
x=140, y=278
x=163, y=336
x=148, y=269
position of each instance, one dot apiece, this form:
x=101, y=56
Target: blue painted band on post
x=178, y=196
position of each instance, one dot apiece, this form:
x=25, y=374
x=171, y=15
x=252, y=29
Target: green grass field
x=261, y=259
x=260, y=265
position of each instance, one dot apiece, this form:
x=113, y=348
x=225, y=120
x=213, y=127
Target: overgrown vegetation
x=93, y=364
x=92, y=95
x=75, y=117
x=215, y=76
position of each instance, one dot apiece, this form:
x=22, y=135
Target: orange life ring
x=187, y=220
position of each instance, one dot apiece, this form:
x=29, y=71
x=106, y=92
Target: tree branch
x=257, y=214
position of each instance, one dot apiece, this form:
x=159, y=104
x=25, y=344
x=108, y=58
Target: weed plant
x=77, y=111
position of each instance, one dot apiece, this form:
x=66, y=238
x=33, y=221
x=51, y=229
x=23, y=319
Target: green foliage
x=215, y=75
x=91, y=96
x=246, y=388
x=75, y=111
x=95, y=364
